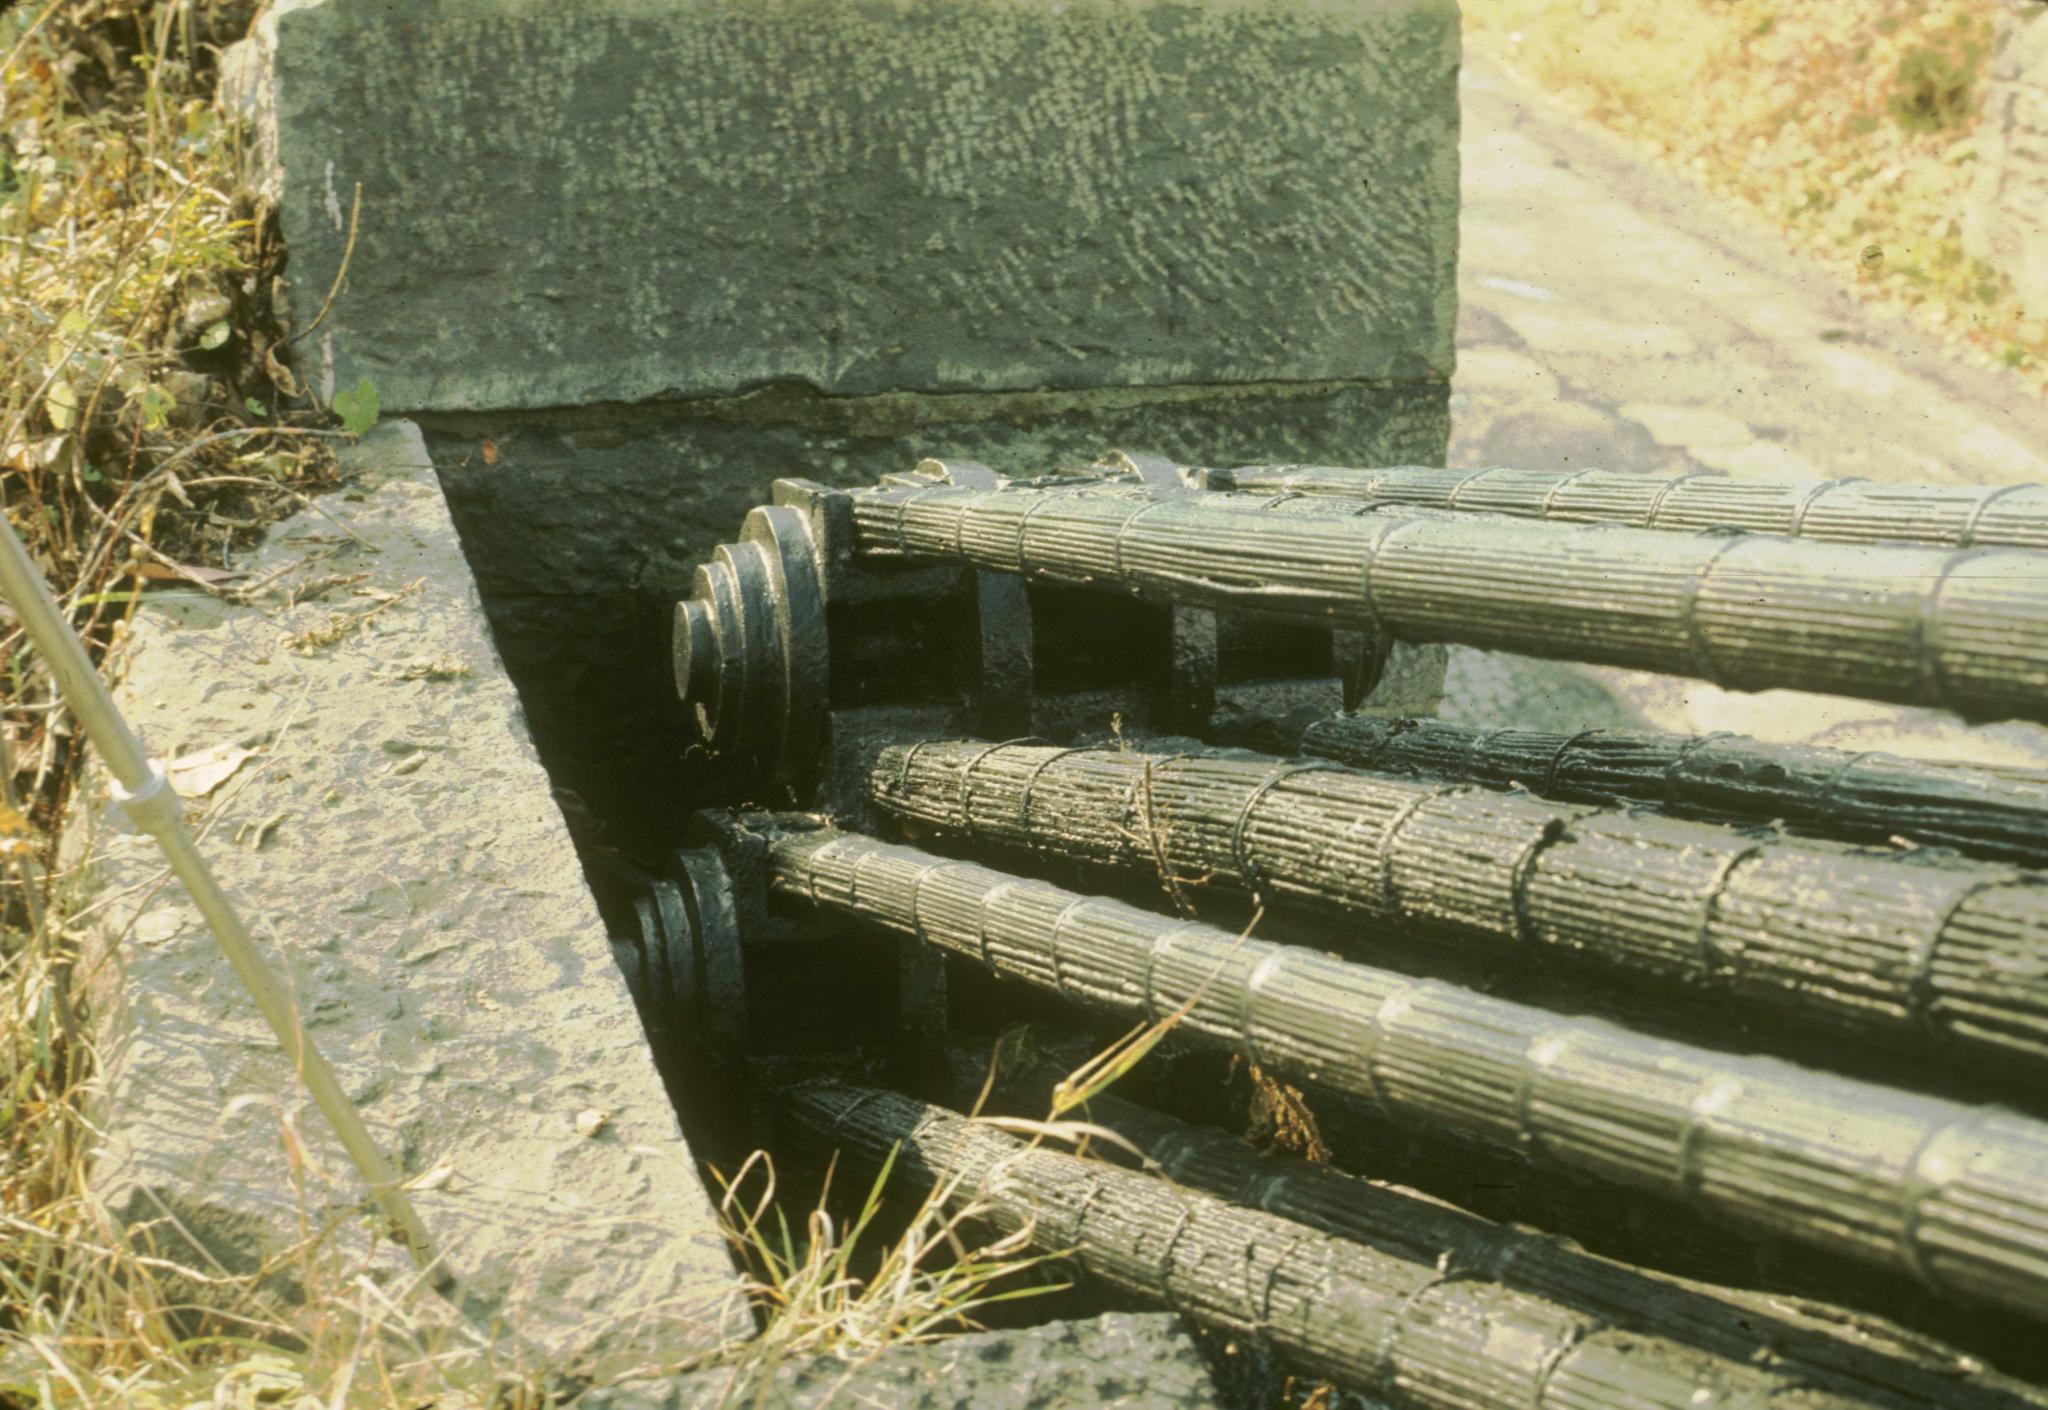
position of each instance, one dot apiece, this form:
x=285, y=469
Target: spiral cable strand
x=1420, y=1336
x=1954, y=1195
x=1931, y=953
x=1846, y=510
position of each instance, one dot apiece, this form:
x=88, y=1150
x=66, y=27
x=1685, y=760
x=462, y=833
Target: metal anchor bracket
x=750, y=646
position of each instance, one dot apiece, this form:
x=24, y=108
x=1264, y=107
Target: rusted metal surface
x=1840, y=511
x=1937, y=952
x=1954, y=1195
x=1961, y=629
x=1870, y=796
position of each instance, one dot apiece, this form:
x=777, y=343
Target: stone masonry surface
x=393, y=844
x=583, y=527
x=563, y=204
x=1128, y=1360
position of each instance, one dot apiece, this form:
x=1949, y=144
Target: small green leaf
x=357, y=409
x=256, y=408
x=214, y=336
x=156, y=403
x=92, y=476
x=61, y=402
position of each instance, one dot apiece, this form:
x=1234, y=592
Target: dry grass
x=1847, y=123
x=840, y=1295
x=148, y=421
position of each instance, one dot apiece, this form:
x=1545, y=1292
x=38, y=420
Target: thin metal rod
x=144, y=791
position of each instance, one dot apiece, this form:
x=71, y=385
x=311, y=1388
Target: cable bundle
x=1955, y=1195
x=1938, y=951
x=1966, y=630
x=1867, y=797
x=1841, y=511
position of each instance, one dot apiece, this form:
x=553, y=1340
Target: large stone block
x=391, y=840
x=616, y=201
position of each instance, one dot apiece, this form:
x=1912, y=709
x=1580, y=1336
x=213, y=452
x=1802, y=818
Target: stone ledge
x=394, y=846
x=1129, y=1360
x=632, y=199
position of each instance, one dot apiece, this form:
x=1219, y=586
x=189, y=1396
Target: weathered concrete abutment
x=627, y=262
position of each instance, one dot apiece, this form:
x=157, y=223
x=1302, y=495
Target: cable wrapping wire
x=1871, y=797
x=1966, y=630
x=1743, y=1326
x=1418, y=1335
x=1933, y=950
x=1838, y=511
x=1953, y=1194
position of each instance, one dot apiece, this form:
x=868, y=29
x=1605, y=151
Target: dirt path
x=1614, y=316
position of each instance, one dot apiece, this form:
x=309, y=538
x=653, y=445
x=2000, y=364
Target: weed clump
x=149, y=421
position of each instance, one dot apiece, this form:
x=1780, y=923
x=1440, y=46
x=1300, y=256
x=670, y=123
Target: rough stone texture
x=616, y=499
x=583, y=527
x=1131, y=1361
x=2006, y=218
x=395, y=849
x=639, y=198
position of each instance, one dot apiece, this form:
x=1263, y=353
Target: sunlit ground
x=1848, y=123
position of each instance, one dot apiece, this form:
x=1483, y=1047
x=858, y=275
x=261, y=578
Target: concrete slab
x=631, y=199
x=392, y=842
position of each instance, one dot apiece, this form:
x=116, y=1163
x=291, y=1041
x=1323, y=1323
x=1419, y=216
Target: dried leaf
x=197, y=775
x=16, y=836
x=490, y=452
x=33, y=455
x=434, y=1179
